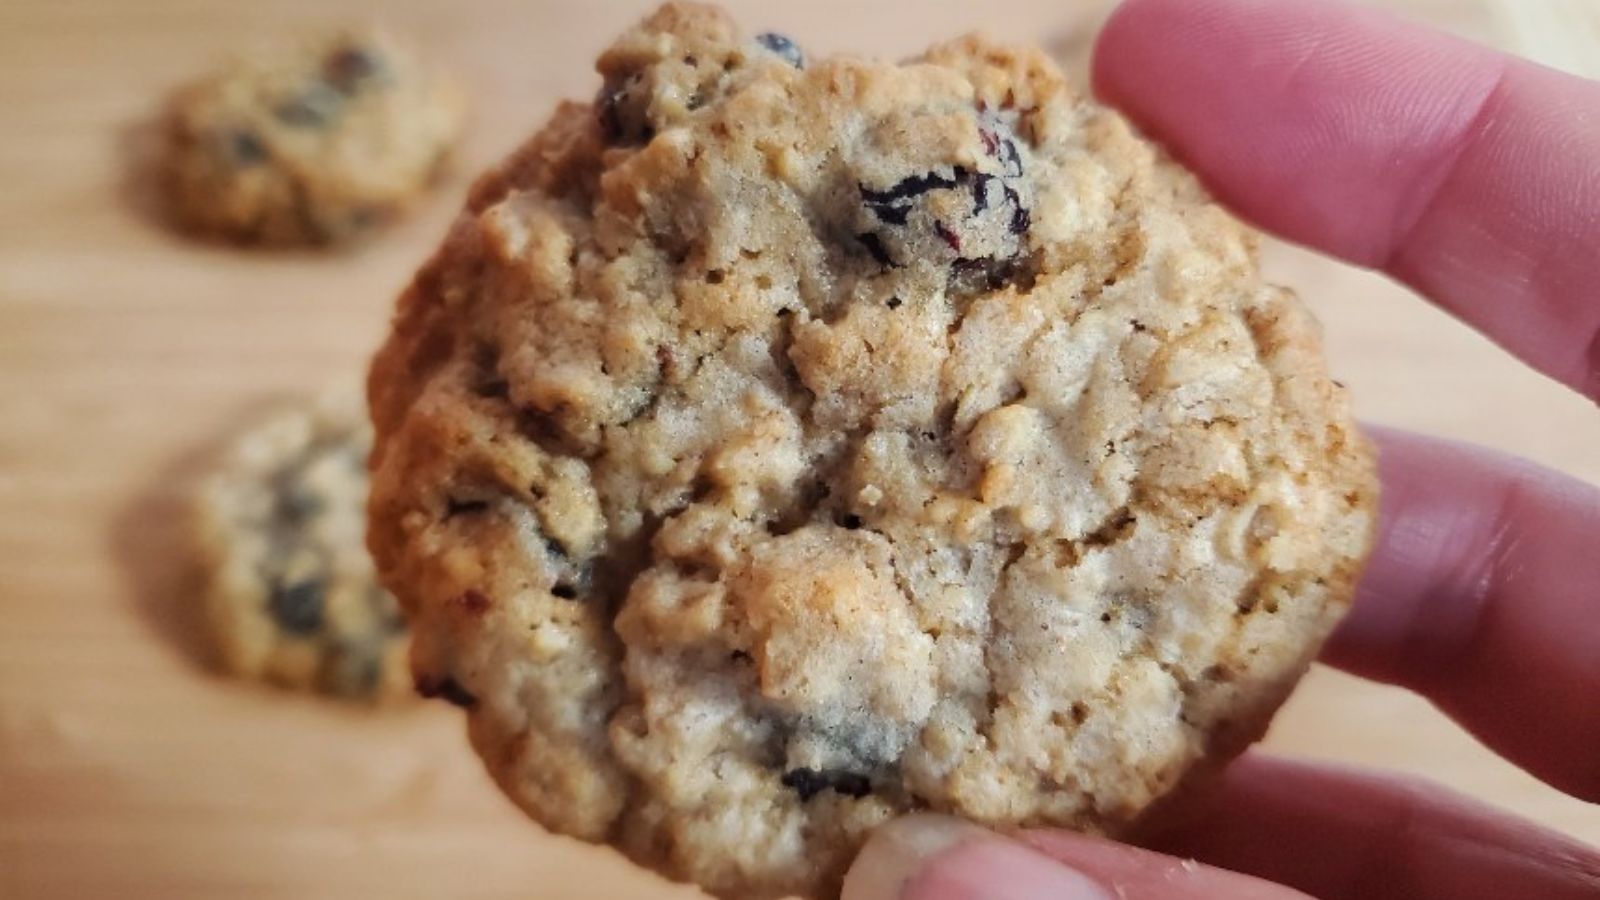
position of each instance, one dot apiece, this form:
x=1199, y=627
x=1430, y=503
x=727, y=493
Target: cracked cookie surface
x=315, y=144
x=293, y=599
x=780, y=444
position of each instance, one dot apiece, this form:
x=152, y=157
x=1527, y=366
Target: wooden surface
x=125, y=769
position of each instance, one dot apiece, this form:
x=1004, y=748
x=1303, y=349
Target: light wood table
x=125, y=769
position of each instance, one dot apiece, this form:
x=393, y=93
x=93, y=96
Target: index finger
x=1472, y=176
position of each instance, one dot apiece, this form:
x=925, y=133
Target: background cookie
x=313, y=144
x=782, y=444
x=292, y=596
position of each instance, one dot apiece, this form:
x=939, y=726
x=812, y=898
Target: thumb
x=928, y=857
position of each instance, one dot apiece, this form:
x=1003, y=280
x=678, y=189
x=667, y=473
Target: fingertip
x=1131, y=35
x=1477, y=596
x=1137, y=874
x=1321, y=121
x=1147, y=48
x=931, y=857
x=1107, y=49
x=898, y=850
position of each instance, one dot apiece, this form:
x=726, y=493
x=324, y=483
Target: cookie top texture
x=780, y=444
x=313, y=144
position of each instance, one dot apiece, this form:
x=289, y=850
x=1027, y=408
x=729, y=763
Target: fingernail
x=928, y=857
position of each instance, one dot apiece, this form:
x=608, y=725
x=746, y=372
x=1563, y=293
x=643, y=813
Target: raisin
x=474, y=602
x=1003, y=149
x=850, y=521
x=296, y=505
x=347, y=67
x=983, y=241
x=784, y=47
x=992, y=196
x=912, y=186
x=446, y=689
x=605, y=107
x=454, y=507
x=493, y=388
x=553, y=548
x=564, y=591
x=666, y=361
x=314, y=107
x=893, y=303
x=892, y=215
x=1021, y=220
x=810, y=782
x=1015, y=200
x=618, y=120
x=980, y=191
x=874, y=245
x=985, y=273
x=298, y=607
x=1114, y=529
x=1011, y=158
x=245, y=148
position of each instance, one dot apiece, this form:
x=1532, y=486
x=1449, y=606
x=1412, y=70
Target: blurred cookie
x=292, y=597
x=315, y=144
x=783, y=443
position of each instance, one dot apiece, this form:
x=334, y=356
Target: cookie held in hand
x=781, y=444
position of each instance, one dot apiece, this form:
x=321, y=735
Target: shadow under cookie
x=152, y=540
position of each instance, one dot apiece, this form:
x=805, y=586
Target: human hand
x=1474, y=178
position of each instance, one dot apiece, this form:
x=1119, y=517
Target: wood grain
x=125, y=769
